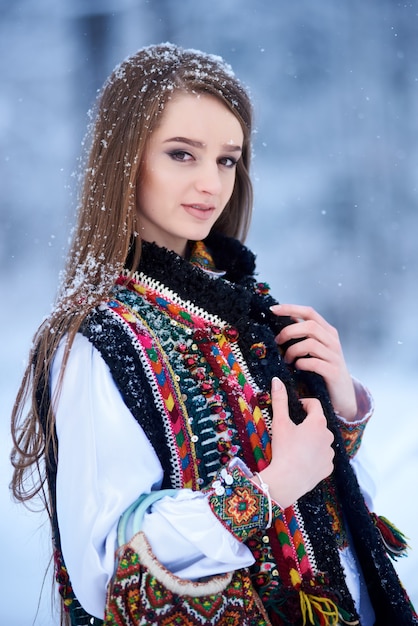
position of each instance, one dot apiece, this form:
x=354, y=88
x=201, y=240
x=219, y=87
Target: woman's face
x=189, y=171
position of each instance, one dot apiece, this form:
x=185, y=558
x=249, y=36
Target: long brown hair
x=129, y=108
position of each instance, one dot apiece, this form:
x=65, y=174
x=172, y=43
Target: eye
x=180, y=155
x=228, y=162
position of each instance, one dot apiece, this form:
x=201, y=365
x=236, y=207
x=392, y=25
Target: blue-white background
x=335, y=88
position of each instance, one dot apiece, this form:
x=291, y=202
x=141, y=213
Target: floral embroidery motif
x=242, y=506
x=238, y=503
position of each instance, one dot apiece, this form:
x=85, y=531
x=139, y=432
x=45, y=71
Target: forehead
x=188, y=113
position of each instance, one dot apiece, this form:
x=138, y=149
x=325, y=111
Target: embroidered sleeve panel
x=240, y=505
x=352, y=432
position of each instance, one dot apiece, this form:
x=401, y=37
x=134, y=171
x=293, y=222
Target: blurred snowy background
x=335, y=87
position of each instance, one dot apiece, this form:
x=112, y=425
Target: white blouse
x=106, y=462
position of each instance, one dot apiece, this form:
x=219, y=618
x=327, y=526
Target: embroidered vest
x=193, y=357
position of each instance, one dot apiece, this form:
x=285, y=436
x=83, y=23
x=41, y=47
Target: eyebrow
x=199, y=144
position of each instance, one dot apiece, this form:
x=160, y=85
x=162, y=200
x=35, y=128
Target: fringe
x=308, y=603
x=394, y=540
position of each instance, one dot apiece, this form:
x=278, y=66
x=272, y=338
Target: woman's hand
x=318, y=349
x=302, y=454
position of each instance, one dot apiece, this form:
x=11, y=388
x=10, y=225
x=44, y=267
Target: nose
x=209, y=179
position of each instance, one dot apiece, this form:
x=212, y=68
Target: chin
x=199, y=234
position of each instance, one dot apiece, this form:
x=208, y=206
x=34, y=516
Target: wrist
x=279, y=496
x=266, y=490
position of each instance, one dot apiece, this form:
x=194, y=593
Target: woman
x=166, y=364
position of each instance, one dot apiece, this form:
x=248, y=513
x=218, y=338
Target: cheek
x=229, y=188
x=147, y=188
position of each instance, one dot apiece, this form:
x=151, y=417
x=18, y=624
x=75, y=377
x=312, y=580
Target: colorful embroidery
x=201, y=257
x=208, y=365
x=166, y=388
x=262, y=288
x=153, y=602
x=352, y=433
x=212, y=407
x=242, y=399
x=239, y=509
x=204, y=385
x=335, y=513
x=198, y=415
x=238, y=503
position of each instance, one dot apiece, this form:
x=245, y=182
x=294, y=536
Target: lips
x=201, y=211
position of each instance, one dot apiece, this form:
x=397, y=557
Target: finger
x=311, y=348
x=325, y=334
x=279, y=400
x=318, y=366
x=315, y=414
x=312, y=405
x=298, y=312
x=302, y=349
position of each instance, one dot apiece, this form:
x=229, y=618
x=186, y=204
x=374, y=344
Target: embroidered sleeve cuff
x=353, y=431
x=240, y=504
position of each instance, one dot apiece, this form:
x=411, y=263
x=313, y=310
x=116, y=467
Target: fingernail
x=275, y=307
x=276, y=384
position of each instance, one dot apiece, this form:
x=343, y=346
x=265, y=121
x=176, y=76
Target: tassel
x=345, y=619
x=394, y=540
x=306, y=602
x=320, y=611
